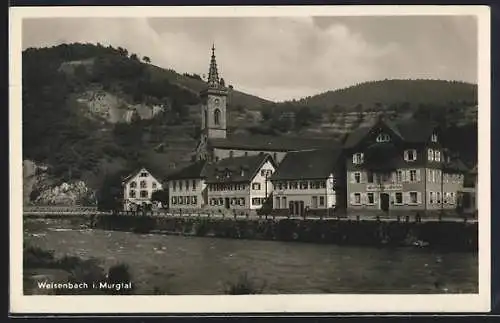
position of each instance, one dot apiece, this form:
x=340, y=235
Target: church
x=216, y=143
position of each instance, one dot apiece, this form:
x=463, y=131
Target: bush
x=118, y=274
x=244, y=286
x=34, y=257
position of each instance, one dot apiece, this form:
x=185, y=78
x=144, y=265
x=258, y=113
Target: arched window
x=217, y=117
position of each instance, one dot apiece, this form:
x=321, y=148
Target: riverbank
x=448, y=235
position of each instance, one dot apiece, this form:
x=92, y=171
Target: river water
x=199, y=265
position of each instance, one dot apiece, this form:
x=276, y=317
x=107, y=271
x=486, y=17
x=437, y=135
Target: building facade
x=138, y=189
x=187, y=187
x=400, y=167
x=309, y=182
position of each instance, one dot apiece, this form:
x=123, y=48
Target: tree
x=110, y=194
x=146, y=59
x=134, y=57
x=161, y=196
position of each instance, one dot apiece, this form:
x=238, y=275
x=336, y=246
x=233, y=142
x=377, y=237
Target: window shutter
x=354, y=158
x=364, y=199
x=352, y=177
x=418, y=175
x=393, y=177
x=406, y=155
x=375, y=198
x=362, y=158
x=419, y=197
x=406, y=198
x=414, y=154
x=351, y=197
x=404, y=175
x=363, y=177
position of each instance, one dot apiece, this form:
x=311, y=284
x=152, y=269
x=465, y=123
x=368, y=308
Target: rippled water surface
x=194, y=265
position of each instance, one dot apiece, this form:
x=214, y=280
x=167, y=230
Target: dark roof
x=310, y=164
x=456, y=165
x=230, y=169
x=272, y=143
x=194, y=170
x=412, y=131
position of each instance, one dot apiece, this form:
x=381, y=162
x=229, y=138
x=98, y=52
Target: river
x=199, y=265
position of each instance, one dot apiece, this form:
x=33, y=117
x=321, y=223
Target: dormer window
x=437, y=155
x=357, y=158
x=410, y=155
x=430, y=155
x=383, y=137
x=242, y=172
x=434, y=137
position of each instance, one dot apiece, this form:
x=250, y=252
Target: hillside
x=90, y=111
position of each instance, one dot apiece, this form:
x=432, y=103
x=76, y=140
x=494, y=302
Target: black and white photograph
x=266, y=152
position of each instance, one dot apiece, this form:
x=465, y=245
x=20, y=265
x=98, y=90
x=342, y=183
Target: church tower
x=213, y=107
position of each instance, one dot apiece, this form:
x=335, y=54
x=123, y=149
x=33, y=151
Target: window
x=262, y=172
x=144, y=174
x=431, y=197
x=294, y=185
x=410, y=155
x=398, y=198
x=217, y=117
x=216, y=158
x=144, y=194
x=187, y=185
x=413, y=175
x=246, y=153
x=303, y=185
x=174, y=200
x=357, y=158
x=357, y=198
x=383, y=137
x=193, y=184
x=437, y=155
x=314, y=203
x=371, y=198
x=133, y=185
x=180, y=185
x=322, y=184
x=438, y=197
x=221, y=201
x=430, y=155
x=255, y=186
x=131, y=194
x=413, y=197
x=370, y=177
x=154, y=185
x=256, y=201
x=399, y=176
x=277, y=204
x=357, y=177
x=452, y=198
x=321, y=201
x=194, y=200
x=143, y=184
x=231, y=154
x=283, y=200
x=434, y=137
x=242, y=201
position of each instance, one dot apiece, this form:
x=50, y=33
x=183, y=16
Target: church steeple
x=213, y=75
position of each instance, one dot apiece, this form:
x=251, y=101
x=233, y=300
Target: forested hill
x=385, y=93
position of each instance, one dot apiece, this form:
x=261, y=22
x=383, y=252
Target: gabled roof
x=312, y=164
x=194, y=170
x=137, y=171
x=217, y=172
x=411, y=131
x=271, y=143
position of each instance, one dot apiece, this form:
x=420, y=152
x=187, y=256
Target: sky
x=284, y=58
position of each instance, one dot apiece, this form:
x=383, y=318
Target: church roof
x=312, y=164
x=271, y=143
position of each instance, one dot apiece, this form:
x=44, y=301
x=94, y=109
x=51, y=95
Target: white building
x=138, y=188
x=309, y=181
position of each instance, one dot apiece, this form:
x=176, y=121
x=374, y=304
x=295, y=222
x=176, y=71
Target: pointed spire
x=213, y=76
